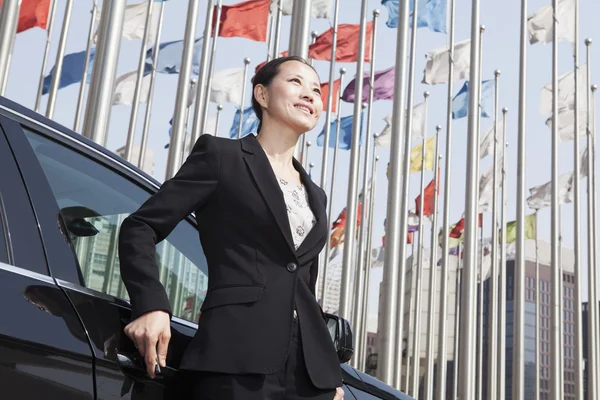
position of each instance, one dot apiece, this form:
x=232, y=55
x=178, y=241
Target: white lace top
x=300, y=215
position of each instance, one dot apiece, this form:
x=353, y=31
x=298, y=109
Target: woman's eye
x=318, y=91
x=296, y=80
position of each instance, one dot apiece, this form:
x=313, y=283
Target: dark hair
x=264, y=76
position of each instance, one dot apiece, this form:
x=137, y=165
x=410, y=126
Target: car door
x=91, y=193
x=44, y=351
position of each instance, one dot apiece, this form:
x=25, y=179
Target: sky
x=500, y=51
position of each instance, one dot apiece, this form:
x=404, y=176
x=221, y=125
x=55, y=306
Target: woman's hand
x=339, y=394
x=146, y=332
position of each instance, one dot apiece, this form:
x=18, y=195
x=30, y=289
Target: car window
x=94, y=200
x=3, y=246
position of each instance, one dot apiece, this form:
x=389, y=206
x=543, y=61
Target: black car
x=63, y=304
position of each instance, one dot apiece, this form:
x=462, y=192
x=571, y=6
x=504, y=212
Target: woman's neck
x=278, y=145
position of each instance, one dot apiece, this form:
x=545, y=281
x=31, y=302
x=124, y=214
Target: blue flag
x=460, y=102
x=169, y=57
x=72, y=70
x=249, y=124
x=345, y=133
x=432, y=14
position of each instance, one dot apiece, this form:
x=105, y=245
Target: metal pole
x=411, y=316
x=350, y=233
x=365, y=298
x=277, y=30
x=480, y=320
x=594, y=217
x=441, y=380
x=396, y=231
x=360, y=287
x=269, y=36
x=501, y=372
x=62, y=44
x=219, y=109
x=310, y=167
x=331, y=192
x=324, y=169
x=9, y=17
x=493, y=303
x=83, y=83
x=99, y=101
x=537, y=317
x=182, y=90
x=404, y=215
x=459, y=271
x=49, y=30
x=246, y=62
x=518, y=374
x=305, y=156
x=202, y=76
x=432, y=284
x=138, y=85
x=211, y=69
x=155, y=52
x=300, y=28
x=314, y=35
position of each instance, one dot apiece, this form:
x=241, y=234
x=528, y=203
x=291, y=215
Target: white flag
x=135, y=22
x=566, y=124
x=541, y=196
x=125, y=87
x=486, y=146
x=486, y=186
x=319, y=8
x=436, y=69
x=226, y=86
x=384, y=139
x=540, y=23
x=566, y=91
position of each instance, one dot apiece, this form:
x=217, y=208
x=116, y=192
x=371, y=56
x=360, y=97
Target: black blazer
x=256, y=275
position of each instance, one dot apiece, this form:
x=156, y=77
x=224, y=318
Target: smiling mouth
x=304, y=108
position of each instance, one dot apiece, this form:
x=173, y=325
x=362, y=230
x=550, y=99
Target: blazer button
x=292, y=267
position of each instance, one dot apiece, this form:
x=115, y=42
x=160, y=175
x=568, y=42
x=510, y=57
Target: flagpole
x=211, y=69
x=537, y=314
x=556, y=389
x=186, y=134
x=493, y=303
x=181, y=98
x=416, y=361
x=480, y=319
x=404, y=215
x=310, y=167
x=396, y=230
x=360, y=275
x=592, y=134
x=324, y=169
x=411, y=316
x=459, y=271
x=576, y=216
x=561, y=304
x=246, y=63
x=269, y=35
x=219, y=109
x=365, y=299
x=331, y=192
x=350, y=233
x=155, y=52
x=99, y=100
x=201, y=87
x=441, y=379
x=305, y=156
x=83, y=83
x=278, y=30
x=500, y=387
x=49, y=29
x=9, y=17
x=432, y=280
x=314, y=35
x=518, y=375
x=62, y=44
x=138, y=85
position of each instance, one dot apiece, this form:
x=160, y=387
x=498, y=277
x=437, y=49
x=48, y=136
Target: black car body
x=63, y=305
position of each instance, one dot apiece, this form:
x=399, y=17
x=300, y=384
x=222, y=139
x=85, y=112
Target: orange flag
x=325, y=94
x=428, y=193
x=33, y=13
x=247, y=19
x=347, y=44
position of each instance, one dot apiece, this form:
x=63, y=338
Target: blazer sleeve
x=314, y=268
x=189, y=190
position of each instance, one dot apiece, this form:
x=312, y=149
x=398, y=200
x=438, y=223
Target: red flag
x=409, y=238
x=347, y=44
x=459, y=228
x=429, y=193
x=33, y=13
x=247, y=19
x=340, y=222
x=325, y=94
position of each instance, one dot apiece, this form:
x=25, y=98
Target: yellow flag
x=530, y=229
x=416, y=156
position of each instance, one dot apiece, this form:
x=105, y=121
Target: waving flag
x=566, y=91
x=345, y=133
x=347, y=44
x=460, y=102
x=134, y=22
x=530, y=229
x=125, y=88
x=431, y=13
x=32, y=13
x=384, y=139
x=249, y=123
x=226, y=86
x=325, y=95
x=416, y=156
x=247, y=19
x=540, y=24
x=438, y=63
x=383, y=86
x=72, y=70
x=318, y=8
x=429, y=198
x=169, y=57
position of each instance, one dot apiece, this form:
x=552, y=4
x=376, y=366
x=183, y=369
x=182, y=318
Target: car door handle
x=133, y=363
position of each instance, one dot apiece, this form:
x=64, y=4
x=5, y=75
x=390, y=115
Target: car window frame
x=67, y=273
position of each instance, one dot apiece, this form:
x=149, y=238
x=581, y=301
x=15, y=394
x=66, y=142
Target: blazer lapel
x=265, y=179
x=317, y=206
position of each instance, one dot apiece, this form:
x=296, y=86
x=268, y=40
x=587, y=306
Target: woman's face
x=294, y=97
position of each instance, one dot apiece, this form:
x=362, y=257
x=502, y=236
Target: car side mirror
x=341, y=334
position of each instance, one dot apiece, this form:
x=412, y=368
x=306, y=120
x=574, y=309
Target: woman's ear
x=260, y=94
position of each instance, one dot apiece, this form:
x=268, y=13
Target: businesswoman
x=262, y=224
